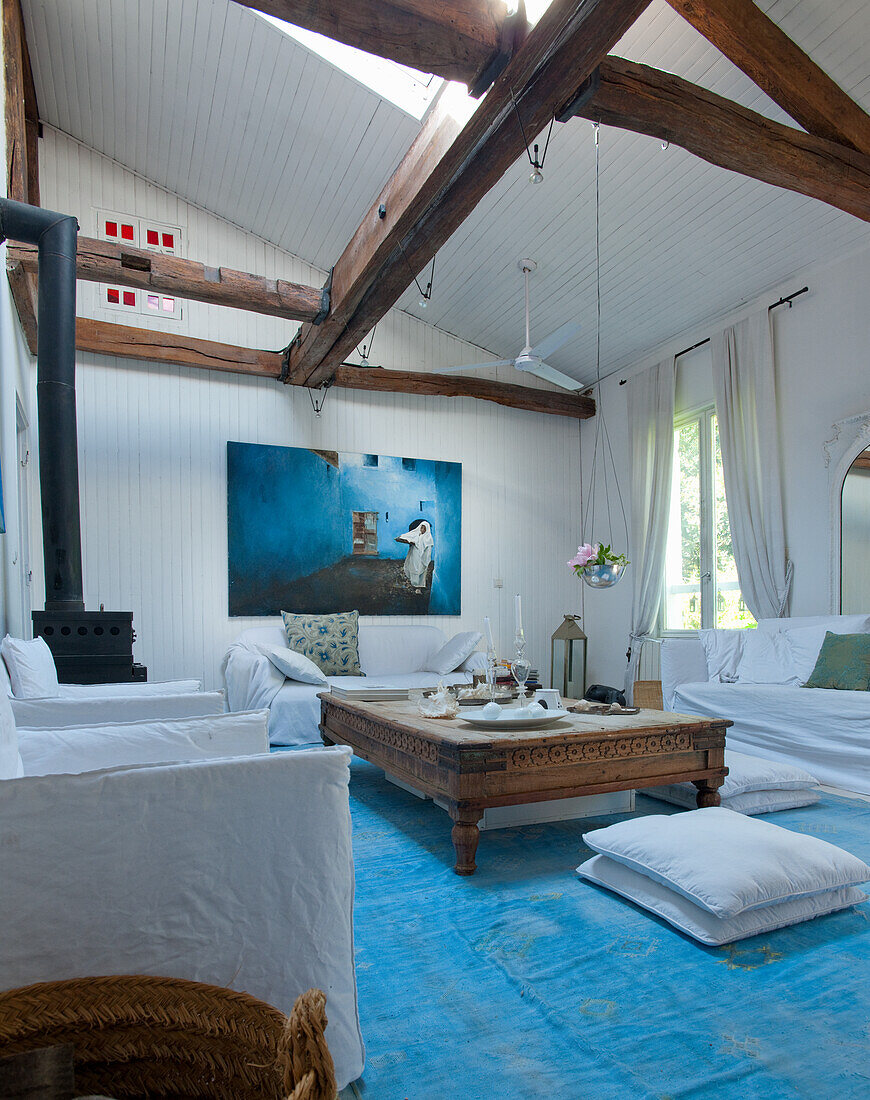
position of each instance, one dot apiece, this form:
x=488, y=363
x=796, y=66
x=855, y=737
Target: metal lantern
x=567, y=662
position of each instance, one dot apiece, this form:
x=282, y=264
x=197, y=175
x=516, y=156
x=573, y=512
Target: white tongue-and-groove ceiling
x=212, y=102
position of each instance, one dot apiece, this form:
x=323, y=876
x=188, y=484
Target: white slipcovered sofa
x=825, y=731
x=394, y=656
x=181, y=849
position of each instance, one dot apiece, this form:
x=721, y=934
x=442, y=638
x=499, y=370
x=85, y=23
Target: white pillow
x=723, y=650
x=9, y=758
x=703, y=926
x=295, y=666
x=453, y=653
x=751, y=802
x=91, y=748
x=766, y=660
x=726, y=862
x=746, y=774
x=31, y=668
x=5, y=682
x=837, y=624
x=804, y=645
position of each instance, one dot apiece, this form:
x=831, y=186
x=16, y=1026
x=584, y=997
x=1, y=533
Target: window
x=701, y=586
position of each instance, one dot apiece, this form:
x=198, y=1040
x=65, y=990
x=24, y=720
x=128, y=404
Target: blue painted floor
x=524, y=981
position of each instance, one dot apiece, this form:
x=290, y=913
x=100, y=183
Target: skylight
x=407, y=88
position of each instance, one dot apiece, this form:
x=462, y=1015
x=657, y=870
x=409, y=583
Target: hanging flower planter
x=598, y=565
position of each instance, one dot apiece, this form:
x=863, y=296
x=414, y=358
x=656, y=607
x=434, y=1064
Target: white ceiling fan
x=531, y=359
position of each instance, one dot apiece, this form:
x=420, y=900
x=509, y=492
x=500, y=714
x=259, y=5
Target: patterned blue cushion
x=843, y=662
x=330, y=641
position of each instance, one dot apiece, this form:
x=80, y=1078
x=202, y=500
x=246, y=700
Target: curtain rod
x=787, y=300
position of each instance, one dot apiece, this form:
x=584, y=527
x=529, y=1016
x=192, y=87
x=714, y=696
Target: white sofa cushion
x=453, y=653
x=682, y=662
x=837, y=624
x=5, y=682
x=31, y=668
x=766, y=659
x=697, y=922
x=89, y=748
x=723, y=650
x=295, y=666
x=61, y=712
x=128, y=690
x=10, y=758
x=236, y=872
x=725, y=862
x=804, y=645
x=384, y=650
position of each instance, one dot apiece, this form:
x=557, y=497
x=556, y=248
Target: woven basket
x=166, y=1037
x=648, y=694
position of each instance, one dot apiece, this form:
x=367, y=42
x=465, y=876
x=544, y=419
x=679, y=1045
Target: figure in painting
x=421, y=543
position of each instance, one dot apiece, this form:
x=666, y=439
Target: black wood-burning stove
x=89, y=647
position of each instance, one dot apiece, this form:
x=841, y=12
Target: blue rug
x=523, y=981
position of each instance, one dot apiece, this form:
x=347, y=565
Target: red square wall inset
x=129, y=297
x=112, y=296
x=127, y=232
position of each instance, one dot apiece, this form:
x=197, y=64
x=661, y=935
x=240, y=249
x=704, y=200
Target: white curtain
x=743, y=382
x=650, y=397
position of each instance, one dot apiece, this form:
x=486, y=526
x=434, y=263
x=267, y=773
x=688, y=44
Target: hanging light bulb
x=536, y=175
x=424, y=301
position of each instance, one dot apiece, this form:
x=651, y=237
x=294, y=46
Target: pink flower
x=584, y=554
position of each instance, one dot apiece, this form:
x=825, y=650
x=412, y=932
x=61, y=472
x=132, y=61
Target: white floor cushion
x=61, y=713
x=725, y=862
x=697, y=922
x=751, y=802
x=753, y=786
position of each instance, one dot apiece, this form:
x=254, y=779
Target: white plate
x=512, y=719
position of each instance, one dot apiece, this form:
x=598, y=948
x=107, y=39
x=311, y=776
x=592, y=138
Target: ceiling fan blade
x=550, y=374
x=475, y=366
x=556, y=339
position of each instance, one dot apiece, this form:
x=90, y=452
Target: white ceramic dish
x=511, y=719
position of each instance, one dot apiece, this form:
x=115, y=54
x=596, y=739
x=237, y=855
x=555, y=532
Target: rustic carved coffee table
x=469, y=769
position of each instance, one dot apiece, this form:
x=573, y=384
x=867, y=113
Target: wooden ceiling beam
x=126, y=342
x=107, y=262
x=647, y=101
x=24, y=296
x=455, y=39
x=755, y=44
x=449, y=168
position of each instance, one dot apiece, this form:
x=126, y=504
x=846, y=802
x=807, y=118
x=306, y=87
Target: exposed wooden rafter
x=456, y=39
x=647, y=101
x=755, y=44
x=126, y=342
x=24, y=296
x=21, y=110
x=107, y=262
x=448, y=170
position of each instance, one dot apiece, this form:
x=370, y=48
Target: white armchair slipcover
x=237, y=872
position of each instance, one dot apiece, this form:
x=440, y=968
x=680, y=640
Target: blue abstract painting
x=315, y=531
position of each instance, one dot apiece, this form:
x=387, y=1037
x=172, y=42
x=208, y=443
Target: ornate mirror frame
x=849, y=438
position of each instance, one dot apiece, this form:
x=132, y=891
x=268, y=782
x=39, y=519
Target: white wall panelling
x=152, y=445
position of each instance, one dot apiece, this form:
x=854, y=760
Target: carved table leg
x=465, y=836
x=708, y=792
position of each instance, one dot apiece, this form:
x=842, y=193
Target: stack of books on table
x=504, y=677
x=375, y=694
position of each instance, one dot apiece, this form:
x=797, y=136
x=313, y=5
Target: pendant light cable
x=602, y=435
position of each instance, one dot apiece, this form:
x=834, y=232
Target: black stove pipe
x=56, y=238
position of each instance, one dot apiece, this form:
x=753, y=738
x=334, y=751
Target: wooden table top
x=572, y=727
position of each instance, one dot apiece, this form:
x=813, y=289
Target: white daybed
x=826, y=732
x=232, y=870
x=395, y=656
